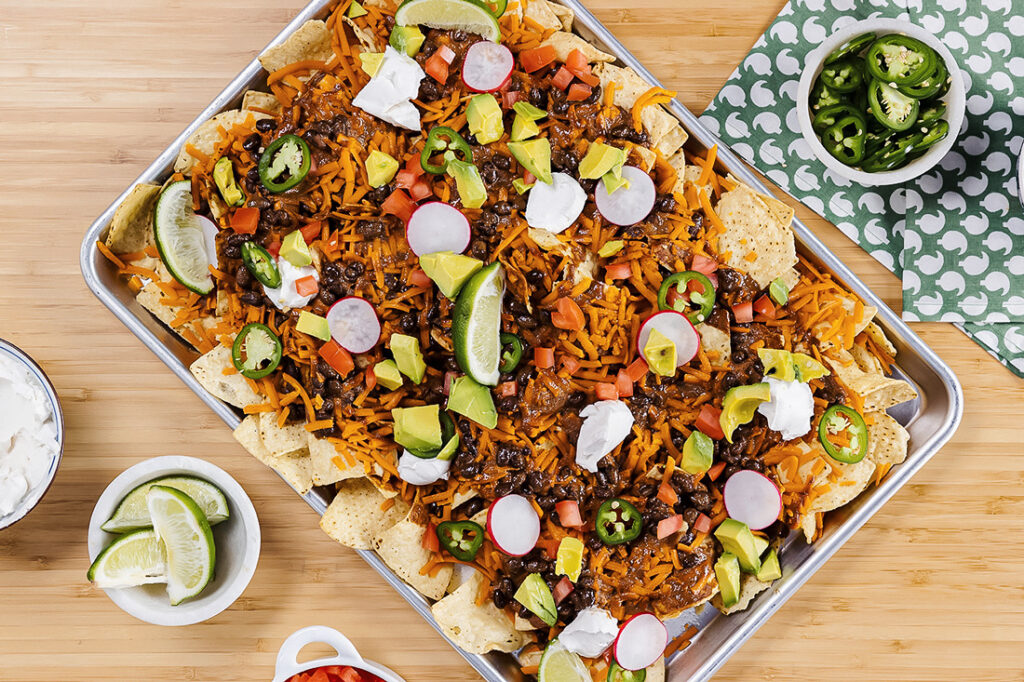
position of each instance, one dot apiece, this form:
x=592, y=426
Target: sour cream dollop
x=555, y=207
x=606, y=423
x=286, y=296
x=390, y=92
x=790, y=409
x=28, y=434
x=590, y=633
x=419, y=471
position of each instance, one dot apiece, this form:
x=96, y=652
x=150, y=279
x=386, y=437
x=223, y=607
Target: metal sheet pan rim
x=252, y=75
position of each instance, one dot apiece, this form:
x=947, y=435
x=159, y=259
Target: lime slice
x=558, y=664
x=476, y=325
x=132, y=512
x=180, y=239
x=449, y=14
x=134, y=559
x=182, y=526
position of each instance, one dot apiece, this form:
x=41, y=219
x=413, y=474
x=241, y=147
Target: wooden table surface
x=94, y=89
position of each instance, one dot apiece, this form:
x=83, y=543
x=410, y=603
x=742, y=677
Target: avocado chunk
x=380, y=168
x=523, y=129
x=535, y=595
x=449, y=270
x=483, y=114
x=534, y=156
x=224, y=176
x=808, y=368
x=609, y=249
x=727, y=570
x=602, y=158
x=660, y=354
x=760, y=544
x=314, y=325
x=612, y=183
x=472, y=192
x=521, y=186
x=472, y=400
x=698, y=454
x=295, y=250
x=450, y=447
x=417, y=428
x=785, y=366
x=770, y=569
x=528, y=111
x=407, y=39
x=388, y=374
x=740, y=404
x=737, y=539
x=355, y=10
x=370, y=62
x=409, y=357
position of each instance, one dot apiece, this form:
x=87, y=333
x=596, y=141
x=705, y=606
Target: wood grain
x=94, y=89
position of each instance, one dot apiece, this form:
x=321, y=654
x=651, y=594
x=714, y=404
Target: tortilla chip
x=311, y=41
x=231, y=388
x=322, y=458
x=149, y=297
x=461, y=497
x=678, y=163
x=750, y=587
x=564, y=14
x=294, y=469
x=667, y=135
x=809, y=525
x=691, y=174
x=207, y=135
x=543, y=12
x=131, y=228
x=355, y=518
x=647, y=158
x=887, y=440
x=852, y=480
x=672, y=139
x=791, y=277
x=656, y=671
x=714, y=340
x=876, y=334
x=751, y=229
x=461, y=573
x=401, y=548
x=475, y=629
x=866, y=360
x=264, y=102
x=366, y=38
x=282, y=441
x=565, y=42
x=877, y=392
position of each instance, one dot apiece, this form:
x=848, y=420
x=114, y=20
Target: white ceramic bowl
x=955, y=99
x=237, y=541
x=345, y=654
x=36, y=494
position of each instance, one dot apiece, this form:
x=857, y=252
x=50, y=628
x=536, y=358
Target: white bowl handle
x=287, y=661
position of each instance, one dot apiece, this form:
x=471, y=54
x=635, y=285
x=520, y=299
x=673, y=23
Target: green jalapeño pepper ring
x=444, y=139
x=287, y=154
x=616, y=673
x=461, y=539
x=843, y=76
x=900, y=59
x=260, y=264
x=618, y=522
x=845, y=139
x=840, y=419
x=256, y=351
x=683, y=299
x=851, y=48
x=511, y=352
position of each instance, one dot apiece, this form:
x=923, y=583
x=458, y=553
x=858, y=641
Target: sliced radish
x=487, y=66
x=354, y=324
x=437, y=226
x=513, y=525
x=210, y=231
x=753, y=499
x=641, y=641
x=679, y=331
x=556, y=206
x=627, y=205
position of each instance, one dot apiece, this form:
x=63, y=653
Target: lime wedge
x=182, y=526
x=132, y=512
x=180, y=239
x=449, y=14
x=134, y=559
x=476, y=325
x=558, y=664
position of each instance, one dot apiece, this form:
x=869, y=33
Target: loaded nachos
x=563, y=376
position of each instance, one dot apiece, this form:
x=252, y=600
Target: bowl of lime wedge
x=173, y=541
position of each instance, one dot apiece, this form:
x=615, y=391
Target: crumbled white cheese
x=790, y=409
x=606, y=423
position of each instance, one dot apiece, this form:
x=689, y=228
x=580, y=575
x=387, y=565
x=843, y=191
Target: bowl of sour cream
x=31, y=433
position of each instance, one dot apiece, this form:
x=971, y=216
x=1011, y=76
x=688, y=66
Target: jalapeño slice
x=891, y=107
x=511, y=352
x=845, y=139
x=618, y=522
x=461, y=539
x=442, y=139
x=256, y=351
x=851, y=47
x=616, y=673
x=900, y=59
x=845, y=75
x=260, y=264
x=675, y=294
x=287, y=157
x=843, y=434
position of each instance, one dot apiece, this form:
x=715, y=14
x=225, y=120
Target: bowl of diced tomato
x=345, y=666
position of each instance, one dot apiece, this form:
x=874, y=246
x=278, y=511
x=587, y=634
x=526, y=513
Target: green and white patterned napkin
x=755, y=114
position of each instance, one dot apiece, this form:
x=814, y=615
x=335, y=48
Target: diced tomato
x=562, y=78
x=306, y=286
x=702, y=524
x=311, y=231
x=506, y=389
x=716, y=470
x=571, y=363
x=319, y=675
x=618, y=271
x=623, y=384
x=437, y=68
x=509, y=98
x=563, y=588
x=637, y=369
x=549, y=546
x=245, y=220
x=569, y=514
x=667, y=494
x=544, y=357
x=421, y=190
x=533, y=60
x=399, y=204
x=606, y=391
x=274, y=249
x=337, y=357
x=413, y=165
x=529, y=178
x=418, y=278
x=579, y=92
x=405, y=178
x=743, y=312
x=446, y=53
x=708, y=422
x=588, y=78
x=577, y=61
x=704, y=264
x=352, y=675
x=764, y=306
x=568, y=316
x=669, y=526
x=430, y=541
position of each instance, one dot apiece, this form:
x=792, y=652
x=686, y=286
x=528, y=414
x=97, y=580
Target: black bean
x=729, y=471
x=332, y=388
x=537, y=480
x=501, y=599
x=371, y=228
x=502, y=208
x=252, y=143
x=701, y=500
x=251, y=298
x=666, y=203
x=354, y=271
x=471, y=508
x=243, y=278
x=409, y=322
x=535, y=566
x=487, y=224
x=327, y=297
x=232, y=251
x=327, y=370
x=502, y=162
x=535, y=277
x=377, y=195
x=508, y=404
x=546, y=502
x=478, y=249
x=537, y=98
x=526, y=322
x=430, y=90
x=265, y=125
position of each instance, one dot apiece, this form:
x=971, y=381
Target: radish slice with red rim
x=354, y=324
x=210, y=231
x=753, y=499
x=513, y=525
x=437, y=226
x=487, y=66
x=627, y=205
x=679, y=331
x=641, y=641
